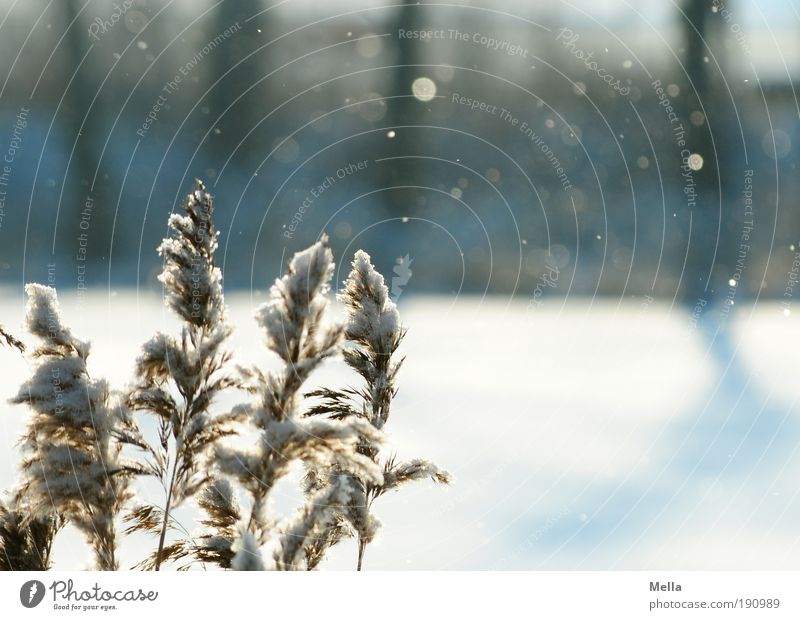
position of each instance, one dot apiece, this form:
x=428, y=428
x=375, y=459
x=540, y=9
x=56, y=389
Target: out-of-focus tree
x=403, y=109
x=86, y=187
x=695, y=18
x=246, y=112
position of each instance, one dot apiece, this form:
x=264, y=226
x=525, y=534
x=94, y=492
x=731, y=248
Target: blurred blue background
x=273, y=98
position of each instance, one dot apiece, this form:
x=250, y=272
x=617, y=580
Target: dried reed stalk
x=178, y=379
x=374, y=333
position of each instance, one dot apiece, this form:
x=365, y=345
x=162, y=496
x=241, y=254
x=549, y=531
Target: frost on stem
x=10, y=340
x=214, y=544
x=293, y=322
x=71, y=466
x=318, y=515
x=179, y=378
x=374, y=332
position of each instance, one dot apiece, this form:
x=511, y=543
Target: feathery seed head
x=373, y=320
x=71, y=466
x=193, y=283
x=297, y=303
x=43, y=320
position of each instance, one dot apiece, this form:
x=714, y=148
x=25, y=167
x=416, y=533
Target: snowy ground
x=588, y=435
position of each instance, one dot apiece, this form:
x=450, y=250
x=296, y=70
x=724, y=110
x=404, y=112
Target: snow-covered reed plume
x=319, y=514
x=25, y=541
x=71, y=467
x=293, y=321
x=248, y=553
x=374, y=333
x=223, y=516
x=179, y=378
